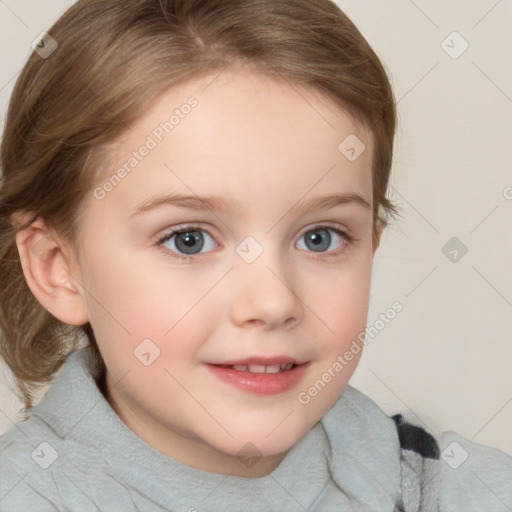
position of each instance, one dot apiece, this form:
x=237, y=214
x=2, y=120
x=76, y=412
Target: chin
x=265, y=439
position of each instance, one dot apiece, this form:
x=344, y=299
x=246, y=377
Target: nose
x=265, y=295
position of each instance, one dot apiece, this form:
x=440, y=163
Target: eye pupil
x=316, y=239
x=188, y=239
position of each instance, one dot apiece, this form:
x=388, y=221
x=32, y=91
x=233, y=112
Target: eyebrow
x=221, y=205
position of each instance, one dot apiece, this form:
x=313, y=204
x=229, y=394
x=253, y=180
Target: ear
x=376, y=237
x=51, y=270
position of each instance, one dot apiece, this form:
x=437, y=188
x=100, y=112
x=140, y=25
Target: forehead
x=239, y=135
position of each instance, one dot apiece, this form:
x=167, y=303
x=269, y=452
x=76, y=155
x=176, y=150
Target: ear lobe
x=49, y=268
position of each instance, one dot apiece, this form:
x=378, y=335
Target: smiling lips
x=259, y=375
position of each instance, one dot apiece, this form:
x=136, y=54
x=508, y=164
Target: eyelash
x=348, y=240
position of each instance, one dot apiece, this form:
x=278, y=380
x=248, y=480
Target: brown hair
x=114, y=57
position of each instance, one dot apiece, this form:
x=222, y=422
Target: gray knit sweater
x=76, y=454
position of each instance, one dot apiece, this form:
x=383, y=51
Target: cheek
x=341, y=303
x=341, y=310
x=132, y=302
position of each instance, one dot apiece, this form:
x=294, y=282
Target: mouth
x=264, y=376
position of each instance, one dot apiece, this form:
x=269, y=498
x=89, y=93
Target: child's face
x=256, y=287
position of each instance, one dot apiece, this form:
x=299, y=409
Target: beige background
x=444, y=361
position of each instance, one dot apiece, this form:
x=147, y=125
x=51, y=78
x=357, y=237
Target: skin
x=268, y=147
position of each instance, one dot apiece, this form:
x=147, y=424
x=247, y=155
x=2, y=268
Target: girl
x=197, y=189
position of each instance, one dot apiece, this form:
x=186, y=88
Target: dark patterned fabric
x=420, y=467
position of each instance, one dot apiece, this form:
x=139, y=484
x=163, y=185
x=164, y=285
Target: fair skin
x=261, y=145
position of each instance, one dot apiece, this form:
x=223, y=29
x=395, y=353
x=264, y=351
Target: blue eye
x=319, y=238
x=187, y=242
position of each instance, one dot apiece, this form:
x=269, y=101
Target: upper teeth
x=260, y=368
